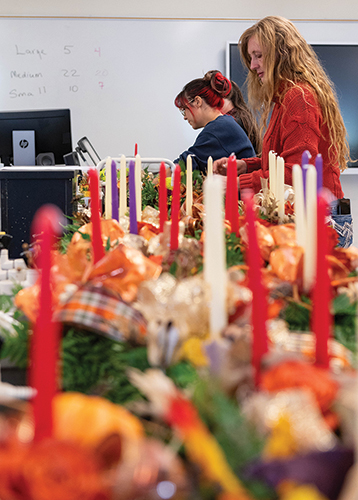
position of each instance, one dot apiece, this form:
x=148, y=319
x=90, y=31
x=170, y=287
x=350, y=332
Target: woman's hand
x=220, y=166
x=241, y=167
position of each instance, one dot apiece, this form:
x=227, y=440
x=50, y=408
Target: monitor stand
x=23, y=191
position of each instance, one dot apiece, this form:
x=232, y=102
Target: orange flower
x=291, y=374
x=49, y=469
x=283, y=234
x=274, y=308
x=89, y=420
x=286, y=262
x=182, y=414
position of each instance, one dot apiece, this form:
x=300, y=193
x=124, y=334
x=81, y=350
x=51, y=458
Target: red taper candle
x=259, y=299
x=97, y=244
x=43, y=366
x=232, y=197
x=322, y=293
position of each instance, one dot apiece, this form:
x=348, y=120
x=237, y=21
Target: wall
x=185, y=9
x=119, y=77
x=150, y=49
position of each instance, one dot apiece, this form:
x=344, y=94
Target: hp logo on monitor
x=23, y=143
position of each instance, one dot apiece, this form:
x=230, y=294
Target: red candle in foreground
x=321, y=315
x=97, y=245
x=135, y=149
x=174, y=233
x=232, y=200
x=163, y=202
x=259, y=300
x=44, y=348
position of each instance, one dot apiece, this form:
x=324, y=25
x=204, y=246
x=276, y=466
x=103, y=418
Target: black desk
x=23, y=191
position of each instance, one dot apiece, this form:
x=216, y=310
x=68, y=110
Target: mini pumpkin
x=94, y=422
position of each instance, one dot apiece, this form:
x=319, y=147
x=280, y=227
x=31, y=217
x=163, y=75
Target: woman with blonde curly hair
x=287, y=80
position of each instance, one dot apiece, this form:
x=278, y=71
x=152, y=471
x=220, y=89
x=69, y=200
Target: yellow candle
x=280, y=187
x=309, y=262
x=214, y=254
x=210, y=166
x=272, y=172
x=108, y=191
x=189, y=185
x=300, y=216
x=138, y=186
x=123, y=187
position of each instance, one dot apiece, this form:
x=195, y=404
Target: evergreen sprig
x=15, y=346
x=297, y=315
x=150, y=193
x=68, y=231
x=91, y=363
x=234, y=253
x=345, y=321
x=237, y=437
x=344, y=312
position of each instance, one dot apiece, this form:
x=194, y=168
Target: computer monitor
x=52, y=129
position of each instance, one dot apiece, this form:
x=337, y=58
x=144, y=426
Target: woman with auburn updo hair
x=235, y=105
x=286, y=78
x=200, y=103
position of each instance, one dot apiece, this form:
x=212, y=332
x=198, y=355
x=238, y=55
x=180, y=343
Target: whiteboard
x=119, y=77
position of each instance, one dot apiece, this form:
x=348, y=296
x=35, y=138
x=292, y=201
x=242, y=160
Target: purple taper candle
x=114, y=191
x=306, y=156
x=319, y=168
x=133, y=224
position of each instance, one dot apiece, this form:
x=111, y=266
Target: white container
x=31, y=278
x=4, y=259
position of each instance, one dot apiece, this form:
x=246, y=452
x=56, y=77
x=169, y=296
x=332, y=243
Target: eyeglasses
x=183, y=110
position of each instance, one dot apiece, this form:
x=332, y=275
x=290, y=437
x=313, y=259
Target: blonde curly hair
x=289, y=59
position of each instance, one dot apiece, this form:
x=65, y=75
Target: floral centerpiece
x=136, y=331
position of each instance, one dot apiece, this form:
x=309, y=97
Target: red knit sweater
x=296, y=125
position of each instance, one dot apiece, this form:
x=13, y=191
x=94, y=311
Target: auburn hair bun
x=220, y=84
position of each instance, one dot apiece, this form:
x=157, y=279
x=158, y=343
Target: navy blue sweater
x=220, y=137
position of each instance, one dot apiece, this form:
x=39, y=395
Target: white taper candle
x=123, y=187
x=300, y=212
x=210, y=166
x=280, y=187
x=310, y=256
x=108, y=190
x=272, y=172
x=214, y=254
x=189, y=185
